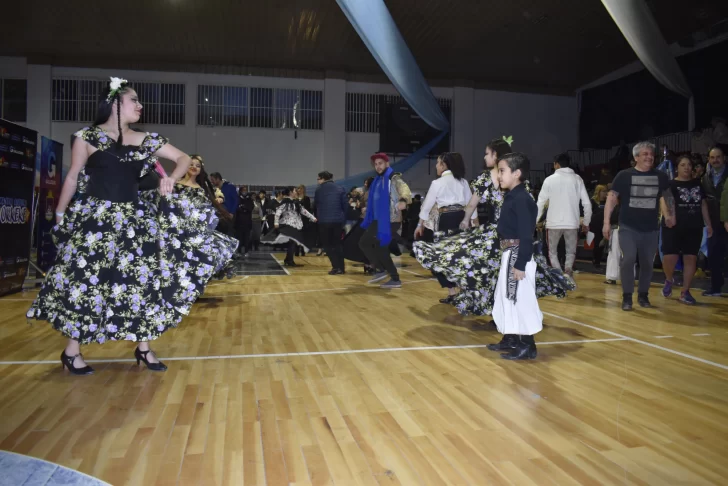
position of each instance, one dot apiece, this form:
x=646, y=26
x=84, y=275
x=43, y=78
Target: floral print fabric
x=124, y=270
x=471, y=259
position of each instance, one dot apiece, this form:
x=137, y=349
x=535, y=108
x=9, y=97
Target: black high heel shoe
x=142, y=356
x=67, y=362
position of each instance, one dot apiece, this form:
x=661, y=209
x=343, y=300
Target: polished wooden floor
x=309, y=379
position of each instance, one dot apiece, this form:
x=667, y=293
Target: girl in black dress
x=125, y=270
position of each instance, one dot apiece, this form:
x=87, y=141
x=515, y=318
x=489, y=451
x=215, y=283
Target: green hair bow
x=508, y=140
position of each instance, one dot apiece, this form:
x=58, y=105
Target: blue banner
x=401, y=166
x=51, y=164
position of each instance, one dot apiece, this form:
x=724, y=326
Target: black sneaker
x=644, y=300
x=392, y=284
x=712, y=293
x=627, y=302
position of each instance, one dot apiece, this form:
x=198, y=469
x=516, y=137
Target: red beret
x=379, y=155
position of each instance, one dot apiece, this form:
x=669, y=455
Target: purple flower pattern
x=471, y=259
x=128, y=287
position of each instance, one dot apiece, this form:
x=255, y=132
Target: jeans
x=634, y=244
x=379, y=256
x=570, y=238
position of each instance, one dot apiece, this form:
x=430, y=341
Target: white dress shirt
x=446, y=191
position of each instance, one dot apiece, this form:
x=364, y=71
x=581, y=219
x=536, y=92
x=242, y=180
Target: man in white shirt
x=562, y=191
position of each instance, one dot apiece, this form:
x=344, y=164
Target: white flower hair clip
x=115, y=85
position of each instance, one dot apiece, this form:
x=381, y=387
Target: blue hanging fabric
x=401, y=166
x=375, y=26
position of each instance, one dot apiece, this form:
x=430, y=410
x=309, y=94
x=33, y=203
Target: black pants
x=598, y=251
x=448, y=221
x=716, y=256
x=379, y=256
x=330, y=234
x=245, y=230
x=227, y=227
x=291, y=251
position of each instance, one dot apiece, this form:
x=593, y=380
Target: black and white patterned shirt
x=288, y=215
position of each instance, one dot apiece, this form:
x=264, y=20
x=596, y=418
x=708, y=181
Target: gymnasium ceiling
x=552, y=46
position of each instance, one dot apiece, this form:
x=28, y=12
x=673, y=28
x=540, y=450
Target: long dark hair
x=203, y=179
x=455, y=164
x=103, y=109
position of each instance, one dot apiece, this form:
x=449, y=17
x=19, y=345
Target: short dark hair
x=325, y=175
x=716, y=147
x=455, y=164
x=518, y=161
x=216, y=175
x=685, y=156
x=563, y=160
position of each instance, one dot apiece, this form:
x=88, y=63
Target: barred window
x=14, y=99
x=222, y=106
x=77, y=100
x=362, y=110
x=164, y=103
x=260, y=107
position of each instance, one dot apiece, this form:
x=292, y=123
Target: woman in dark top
x=691, y=210
x=126, y=269
x=244, y=221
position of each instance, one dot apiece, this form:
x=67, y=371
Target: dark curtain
x=637, y=107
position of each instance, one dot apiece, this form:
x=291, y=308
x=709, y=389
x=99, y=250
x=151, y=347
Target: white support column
x=334, y=153
x=39, y=100
x=463, y=123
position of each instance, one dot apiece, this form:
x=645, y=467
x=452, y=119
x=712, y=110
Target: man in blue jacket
x=331, y=206
x=227, y=221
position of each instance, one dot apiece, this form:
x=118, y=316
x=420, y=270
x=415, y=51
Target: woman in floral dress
x=125, y=270
x=471, y=259
x=194, y=197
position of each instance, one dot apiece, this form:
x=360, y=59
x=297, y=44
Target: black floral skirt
x=472, y=259
x=124, y=271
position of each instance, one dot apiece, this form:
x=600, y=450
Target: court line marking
x=413, y=273
x=662, y=337
x=702, y=334
x=279, y=264
x=313, y=353
x=229, y=281
x=662, y=348
x=621, y=336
